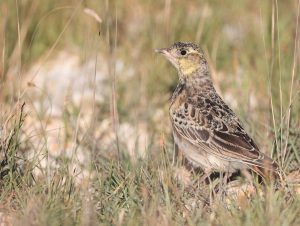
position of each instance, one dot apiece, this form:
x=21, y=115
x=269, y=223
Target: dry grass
x=92, y=144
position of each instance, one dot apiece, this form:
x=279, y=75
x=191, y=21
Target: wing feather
x=216, y=128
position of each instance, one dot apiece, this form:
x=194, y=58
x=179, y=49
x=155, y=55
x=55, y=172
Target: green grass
x=92, y=176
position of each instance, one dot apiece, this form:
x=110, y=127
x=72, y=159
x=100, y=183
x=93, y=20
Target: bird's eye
x=183, y=52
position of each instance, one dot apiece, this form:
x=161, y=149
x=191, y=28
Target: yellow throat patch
x=188, y=66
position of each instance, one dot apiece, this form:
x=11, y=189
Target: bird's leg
x=220, y=187
x=226, y=177
x=206, y=175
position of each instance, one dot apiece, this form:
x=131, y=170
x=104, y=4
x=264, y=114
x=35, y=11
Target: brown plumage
x=205, y=129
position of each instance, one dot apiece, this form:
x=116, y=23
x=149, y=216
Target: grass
x=106, y=157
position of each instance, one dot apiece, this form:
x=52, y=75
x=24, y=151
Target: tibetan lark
x=205, y=129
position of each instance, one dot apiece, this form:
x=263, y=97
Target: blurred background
x=95, y=92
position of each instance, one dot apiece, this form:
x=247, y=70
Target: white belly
x=205, y=160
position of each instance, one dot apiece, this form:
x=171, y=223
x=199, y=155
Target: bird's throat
x=188, y=68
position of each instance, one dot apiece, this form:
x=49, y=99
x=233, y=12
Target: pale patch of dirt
x=63, y=101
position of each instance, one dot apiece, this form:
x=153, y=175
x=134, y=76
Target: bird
x=205, y=129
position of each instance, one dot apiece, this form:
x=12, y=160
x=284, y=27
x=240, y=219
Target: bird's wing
x=211, y=124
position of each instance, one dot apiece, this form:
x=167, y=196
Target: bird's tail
x=268, y=169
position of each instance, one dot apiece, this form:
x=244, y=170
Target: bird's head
x=187, y=58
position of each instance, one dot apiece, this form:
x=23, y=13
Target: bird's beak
x=166, y=52
x=162, y=51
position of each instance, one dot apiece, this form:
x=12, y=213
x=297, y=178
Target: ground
x=85, y=137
